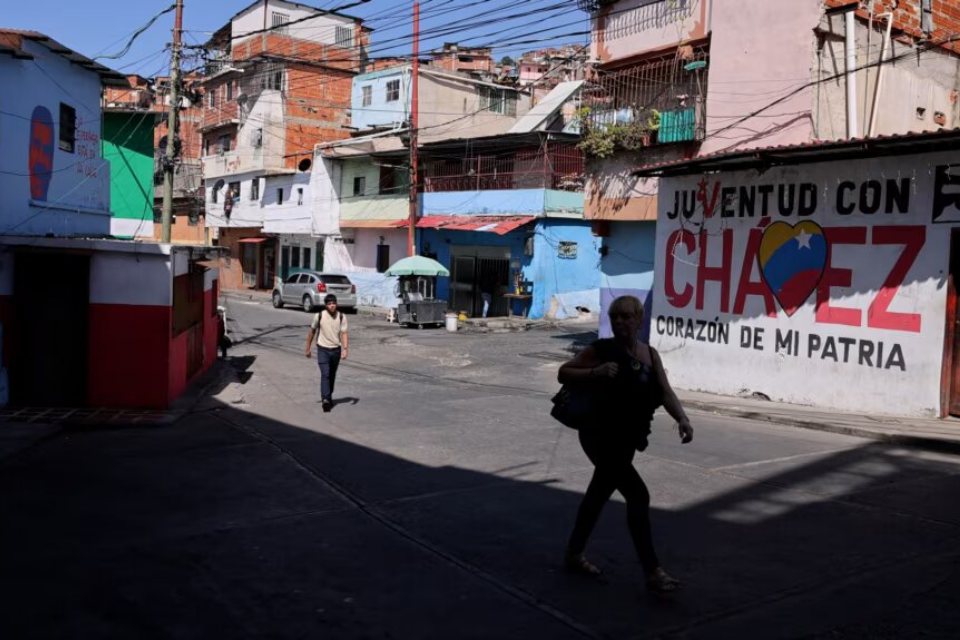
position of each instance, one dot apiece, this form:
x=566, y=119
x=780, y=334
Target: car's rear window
x=335, y=279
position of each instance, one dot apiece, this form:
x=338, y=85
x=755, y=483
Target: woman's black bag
x=573, y=405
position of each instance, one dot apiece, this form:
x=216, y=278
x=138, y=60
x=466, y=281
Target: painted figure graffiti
x=40, y=158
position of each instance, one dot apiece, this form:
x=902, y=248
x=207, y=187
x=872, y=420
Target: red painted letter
x=838, y=277
x=719, y=274
x=912, y=239
x=684, y=237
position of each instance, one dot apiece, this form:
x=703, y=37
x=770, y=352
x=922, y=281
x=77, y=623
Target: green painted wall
x=128, y=146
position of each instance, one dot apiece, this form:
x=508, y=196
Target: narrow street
x=434, y=501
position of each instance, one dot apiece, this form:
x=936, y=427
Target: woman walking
x=630, y=383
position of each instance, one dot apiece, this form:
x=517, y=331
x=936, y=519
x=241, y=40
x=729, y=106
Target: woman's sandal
x=662, y=582
x=576, y=563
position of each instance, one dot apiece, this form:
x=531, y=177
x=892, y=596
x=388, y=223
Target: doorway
x=52, y=299
x=477, y=270
x=950, y=377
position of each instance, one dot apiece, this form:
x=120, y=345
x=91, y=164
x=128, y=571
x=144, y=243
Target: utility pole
x=414, y=123
x=173, y=128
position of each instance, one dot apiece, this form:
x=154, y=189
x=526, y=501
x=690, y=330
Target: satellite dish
x=305, y=164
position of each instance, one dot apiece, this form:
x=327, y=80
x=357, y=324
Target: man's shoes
x=327, y=405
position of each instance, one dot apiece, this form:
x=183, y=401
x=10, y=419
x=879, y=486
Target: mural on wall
x=40, y=155
x=809, y=265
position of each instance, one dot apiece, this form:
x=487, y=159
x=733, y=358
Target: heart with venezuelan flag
x=792, y=259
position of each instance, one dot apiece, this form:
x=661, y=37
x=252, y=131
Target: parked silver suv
x=308, y=288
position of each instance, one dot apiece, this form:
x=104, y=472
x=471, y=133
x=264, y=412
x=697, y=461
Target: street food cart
x=417, y=288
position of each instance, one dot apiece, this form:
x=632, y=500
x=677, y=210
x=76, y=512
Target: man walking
x=330, y=329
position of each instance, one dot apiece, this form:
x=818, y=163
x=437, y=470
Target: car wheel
x=307, y=304
x=277, y=300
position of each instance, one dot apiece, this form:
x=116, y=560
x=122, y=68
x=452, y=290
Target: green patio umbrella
x=417, y=266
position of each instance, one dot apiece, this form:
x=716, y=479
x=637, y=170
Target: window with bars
x=272, y=77
x=366, y=94
x=279, y=21
x=343, y=37
x=393, y=91
x=500, y=101
x=662, y=97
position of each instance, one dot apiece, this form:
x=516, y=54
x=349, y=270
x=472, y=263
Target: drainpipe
x=880, y=65
x=926, y=16
x=850, y=45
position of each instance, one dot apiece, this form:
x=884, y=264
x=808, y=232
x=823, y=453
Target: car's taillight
x=321, y=287
x=353, y=288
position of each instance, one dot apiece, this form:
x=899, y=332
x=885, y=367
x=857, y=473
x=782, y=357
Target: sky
x=103, y=27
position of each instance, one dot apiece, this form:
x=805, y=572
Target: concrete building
x=475, y=61
x=824, y=274
x=677, y=80
x=133, y=323
x=546, y=68
x=278, y=85
x=128, y=146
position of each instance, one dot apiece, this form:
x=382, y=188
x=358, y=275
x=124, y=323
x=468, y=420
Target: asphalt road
x=435, y=500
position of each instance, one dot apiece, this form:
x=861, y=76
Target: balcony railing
x=554, y=166
x=657, y=101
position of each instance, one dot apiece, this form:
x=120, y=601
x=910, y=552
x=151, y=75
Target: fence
x=551, y=166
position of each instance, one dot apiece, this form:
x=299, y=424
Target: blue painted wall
x=495, y=202
x=379, y=113
x=552, y=274
x=440, y=241
x=627, y=269
x=549, y=273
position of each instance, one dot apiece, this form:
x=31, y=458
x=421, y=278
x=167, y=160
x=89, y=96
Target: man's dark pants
x=328, y=361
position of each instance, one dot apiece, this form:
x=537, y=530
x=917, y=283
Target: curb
x=920, y=442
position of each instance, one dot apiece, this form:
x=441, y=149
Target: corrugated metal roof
x=499, y=225
x=805, y=152
x=544, y=110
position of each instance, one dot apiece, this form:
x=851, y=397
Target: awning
x=372, y=224
x=252, y=240
x=500, y=225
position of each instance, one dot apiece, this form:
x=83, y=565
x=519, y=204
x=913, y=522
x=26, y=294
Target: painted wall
x=552, y=274
x=774, y=58
x=319, y=29
x=43, y=189
x=380, y=113
x=443, y=99
x=440, y=241
x=325, y=185
x=621, y=29
x=128, y=147
x=627, y=269
x=831, y=294
x=295, y=214
x=247, y=212
x=492, y=202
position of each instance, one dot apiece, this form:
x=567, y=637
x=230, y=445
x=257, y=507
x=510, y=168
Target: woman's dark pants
x=612, y=458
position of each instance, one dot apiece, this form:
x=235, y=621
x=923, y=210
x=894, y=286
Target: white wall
x=292, y=216
x=320, y=29
x=325, y=186
x=902, y=255
x=77, y=198
x=246, y=212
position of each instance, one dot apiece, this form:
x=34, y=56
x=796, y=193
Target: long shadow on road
x=231, y=524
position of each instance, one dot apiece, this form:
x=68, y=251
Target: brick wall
x=907, y=17
x=282, y=46
x=231, y=269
